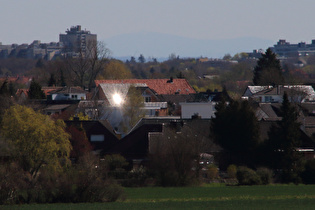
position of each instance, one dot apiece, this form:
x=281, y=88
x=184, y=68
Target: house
x=202, y=105
x=21, y=80
x=99, y=133
x=159, y=86
x=157, y=93
x=150, y=133
x=205, y=110
x=22, y=94
x=274, y=94
x=67, y=93
x=307, y=143
x=55, y=109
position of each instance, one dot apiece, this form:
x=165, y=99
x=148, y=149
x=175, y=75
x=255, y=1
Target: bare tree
x=85, y=65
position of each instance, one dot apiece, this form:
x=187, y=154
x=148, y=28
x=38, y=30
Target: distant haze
x=159, y=45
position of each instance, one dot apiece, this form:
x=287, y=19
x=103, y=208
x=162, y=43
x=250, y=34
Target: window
x=147, y=99
x=268, y=98
x=97, y=138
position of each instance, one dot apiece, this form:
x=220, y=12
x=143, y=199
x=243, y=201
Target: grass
x=205, y=197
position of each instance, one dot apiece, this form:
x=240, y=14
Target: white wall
x=205, y=110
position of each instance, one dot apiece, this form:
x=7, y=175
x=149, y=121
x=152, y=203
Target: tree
x=79, y=141
x=84, y=68
x=235, y=128
x=38, y=141
x=268, y=70
x=133, y=60
x=133, y=108
x=141, y=59
x=4, y=89
x=35, y=91
x=52, y=81
x=115, y=69
x=5, y=98
x=227, y=57
x=175, y=155
x=80, y=116
x=284, y=139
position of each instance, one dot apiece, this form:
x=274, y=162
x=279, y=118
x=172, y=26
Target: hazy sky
x=23, y=21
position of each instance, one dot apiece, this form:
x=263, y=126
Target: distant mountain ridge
x=158, y=45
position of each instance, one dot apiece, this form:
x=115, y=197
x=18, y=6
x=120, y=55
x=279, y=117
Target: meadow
x=204, y=197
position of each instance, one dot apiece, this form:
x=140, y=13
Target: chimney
x=278, y=89
x=170, y=80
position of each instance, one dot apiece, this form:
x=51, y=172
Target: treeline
x=235, y=73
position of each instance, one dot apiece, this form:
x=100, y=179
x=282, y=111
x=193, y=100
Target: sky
x=23, y=21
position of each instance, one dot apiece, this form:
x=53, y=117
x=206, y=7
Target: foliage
x=115, y=161
x=213, y=172
x=284, y=138
x=231, y=171
x=84, y=69
x=308, y=175
x=141, y=59
x=175, y=157
x=268, y=70
x=80, y=143
x=132, y=109
x=80, y=116
x=115, y=69
x=247, y=176
x=92, y=183
x=84, y=181
x=265, y=175
x=116, y=165
x=137, y=177
x=241, y=140
x=52, y=81
x=35, y=91
x=12, y=180
x=5, y=98
x=37, y=139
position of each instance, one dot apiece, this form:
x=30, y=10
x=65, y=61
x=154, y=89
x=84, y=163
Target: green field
x=206, y=197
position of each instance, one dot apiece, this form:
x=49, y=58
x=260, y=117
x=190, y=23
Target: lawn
x=206, y=197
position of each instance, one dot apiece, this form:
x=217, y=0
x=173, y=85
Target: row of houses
x=172, y=110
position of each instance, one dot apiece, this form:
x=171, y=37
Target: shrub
x=92, y=185
x=247, y=176
x=85, y=181
x=231, y=171
x=13, y=181
x=265, y=175
x=308, y=175
x=136, y=177
x=213, y=172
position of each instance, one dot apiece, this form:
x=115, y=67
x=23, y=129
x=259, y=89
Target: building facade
x=78, y=42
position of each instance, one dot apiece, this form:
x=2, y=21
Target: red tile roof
x=160, y=86
x=17, y=79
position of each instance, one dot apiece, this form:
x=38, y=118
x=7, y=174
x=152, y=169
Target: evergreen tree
x=284, y=138
x=52, y=81
x=35, y=91
x=4, y=89
x=268, y=70
x=235, y=128
x=62, y=79
x=141, y=59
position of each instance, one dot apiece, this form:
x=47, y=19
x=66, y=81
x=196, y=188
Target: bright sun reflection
x=117, y=99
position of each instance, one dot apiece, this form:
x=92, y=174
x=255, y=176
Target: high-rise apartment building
x=78, y=42
x=285, y=50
